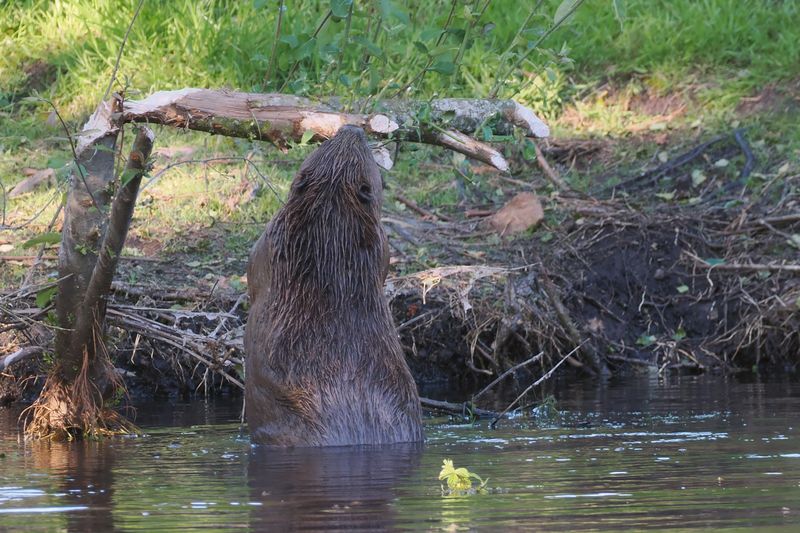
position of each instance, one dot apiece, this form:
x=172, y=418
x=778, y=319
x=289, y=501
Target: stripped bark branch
x=280, y=118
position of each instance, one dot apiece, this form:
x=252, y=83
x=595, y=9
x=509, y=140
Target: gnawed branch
x=280, y=118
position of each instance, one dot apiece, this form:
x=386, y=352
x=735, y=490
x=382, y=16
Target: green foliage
x=383, y=47
x=547, y=411
x=369, y=47
x=50, y=237
x=45, y=296
x=459, y=480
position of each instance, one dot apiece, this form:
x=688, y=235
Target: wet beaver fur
x=324, y=364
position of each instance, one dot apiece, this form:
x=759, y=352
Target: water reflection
x=337, y=488
x=85, y=484
x=687, y=454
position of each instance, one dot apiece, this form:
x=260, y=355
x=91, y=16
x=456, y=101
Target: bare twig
x=78, y=166
x=522, y=57
x=268, y=76
x=411, y=204
x=746, y=267
x=296, y=63
x=514, y=368
x=429, y=62
x=462, y=409
x=40, y=254
x=228, y=159
x=343, y=47
x=466, y=38
x=749, y=158
x=121, y=48
x=536, y=384
x=780, y=220
x=549, y=171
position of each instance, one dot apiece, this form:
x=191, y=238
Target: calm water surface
x=679, y=454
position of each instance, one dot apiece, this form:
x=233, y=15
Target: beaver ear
x=300, y=183
x=365, y=193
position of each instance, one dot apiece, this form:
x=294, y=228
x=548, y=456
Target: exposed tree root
x=77, y=410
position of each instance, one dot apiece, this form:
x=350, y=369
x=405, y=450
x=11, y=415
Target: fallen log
x=281, y=118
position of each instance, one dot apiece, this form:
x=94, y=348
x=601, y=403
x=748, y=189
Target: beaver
x=324, y=364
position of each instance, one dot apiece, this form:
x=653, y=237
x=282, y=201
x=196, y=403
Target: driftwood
x=280, y=119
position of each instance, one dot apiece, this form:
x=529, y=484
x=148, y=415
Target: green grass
x=738, y=44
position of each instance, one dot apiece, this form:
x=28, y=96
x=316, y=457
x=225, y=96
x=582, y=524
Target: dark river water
x=684, y=453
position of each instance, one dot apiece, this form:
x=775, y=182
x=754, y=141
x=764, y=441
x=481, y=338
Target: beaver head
x=329, y=240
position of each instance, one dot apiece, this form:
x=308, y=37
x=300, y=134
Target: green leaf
x=103, y=148
x=45, y=296
x=529, y=150
x=679, y=335
x=645, y=340
x=714, y=261
x=443, y=67
x=666, y=195
x=57, y=161
x=458, y=479
x=306, y=49
x=487, y=133
x=371, y=47
x=291, y=40
x=51, y=237
x=389, y=10
x=374, y=78
x=430, y=34
x=564, y=10
x=697, y=177
x=421, y=47
x=128, y=175
x=331, y=50
x=682, y=289
x=441, y=50
x=307, y=135
x=340, y=8
x=619, y=11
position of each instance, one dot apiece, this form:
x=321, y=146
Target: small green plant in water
x=459, y=480
x=547, y=411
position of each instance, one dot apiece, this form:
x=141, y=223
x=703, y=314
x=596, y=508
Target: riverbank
x=650, y=269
